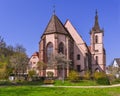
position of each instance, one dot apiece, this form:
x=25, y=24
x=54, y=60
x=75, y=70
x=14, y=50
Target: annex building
x=64, y=38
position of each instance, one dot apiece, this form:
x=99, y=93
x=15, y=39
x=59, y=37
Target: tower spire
x=96, y=24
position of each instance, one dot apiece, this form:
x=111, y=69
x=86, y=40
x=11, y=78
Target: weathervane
x=96, y=12
x=54, y=9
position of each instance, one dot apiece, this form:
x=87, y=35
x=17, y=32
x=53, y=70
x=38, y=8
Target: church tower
x=97, y=47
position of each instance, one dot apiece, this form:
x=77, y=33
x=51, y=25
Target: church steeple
x=97, y=46
x=96, y=24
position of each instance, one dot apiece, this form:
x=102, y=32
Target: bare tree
x=19, y=63
x=19, y=48
x=2, y=43
x=62, y=61
x=114, y=70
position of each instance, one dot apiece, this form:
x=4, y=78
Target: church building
x=64, y=38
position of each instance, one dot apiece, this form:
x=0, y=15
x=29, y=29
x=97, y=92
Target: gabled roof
x=55, y=26
x=76, y=37
x=36, y=54
x=118, y=61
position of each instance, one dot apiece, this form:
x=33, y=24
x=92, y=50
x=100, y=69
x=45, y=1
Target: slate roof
x=55, y=26
x=96, y=27
x=96, y=24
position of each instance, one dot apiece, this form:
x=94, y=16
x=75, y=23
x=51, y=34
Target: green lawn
x=80, y=83
x=42, y=91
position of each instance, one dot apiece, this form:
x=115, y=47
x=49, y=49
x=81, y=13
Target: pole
x=63, y=73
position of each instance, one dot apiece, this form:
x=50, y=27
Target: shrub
x=98, y=75
x=103, y=81
x=73, y=76
x=116, y=81
x=101, y=78
x=87, y=75
x=111, y=77
x=5, y=82
x=48, y=81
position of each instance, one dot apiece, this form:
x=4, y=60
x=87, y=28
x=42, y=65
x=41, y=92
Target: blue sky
x=24, y=21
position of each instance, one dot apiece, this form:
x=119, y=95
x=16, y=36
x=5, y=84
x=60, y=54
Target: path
x=107, y=86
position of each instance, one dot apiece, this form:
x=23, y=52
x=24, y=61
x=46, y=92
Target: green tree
x=40, y=66
x=5, y=54
x=31, y=74
x=4, y=69
x=12, y=59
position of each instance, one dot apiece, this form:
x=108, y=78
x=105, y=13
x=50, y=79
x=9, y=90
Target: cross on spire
x=54, y=9
x=96, y=12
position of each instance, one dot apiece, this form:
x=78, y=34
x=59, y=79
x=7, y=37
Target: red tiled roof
x=89, y=47
x=36, y=54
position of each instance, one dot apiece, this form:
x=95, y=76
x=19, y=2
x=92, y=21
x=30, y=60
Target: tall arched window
x=96, y=39
x=61, y=48
x=49, y=50
x=96, y=59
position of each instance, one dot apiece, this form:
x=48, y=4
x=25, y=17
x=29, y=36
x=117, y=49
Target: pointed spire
x=96, y=24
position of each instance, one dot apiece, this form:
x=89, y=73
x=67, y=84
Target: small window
x=78, y=68
x=96, y=39
x=34, y=57
x=61, y=48
x=78, y=57
x=96, y=50
x=34, y=62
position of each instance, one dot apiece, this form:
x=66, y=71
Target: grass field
x=43, y=91
x=80, y=83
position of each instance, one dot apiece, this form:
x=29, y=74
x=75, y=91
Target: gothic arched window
x=61, y=48
x=49, y=50
x=96, y=39
x=96, y=59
